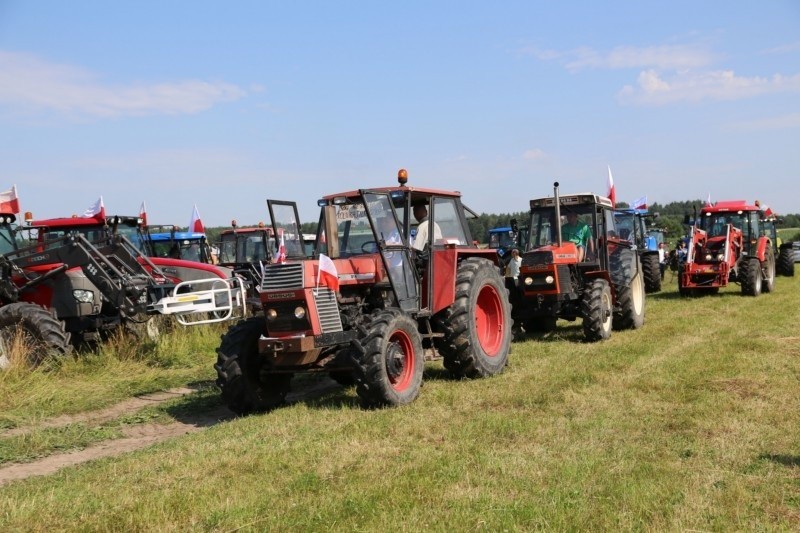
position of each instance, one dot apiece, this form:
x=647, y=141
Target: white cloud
x=626, y=57
x=534, y=154
x=784, y=48
x=29, y=81
x=654, y=88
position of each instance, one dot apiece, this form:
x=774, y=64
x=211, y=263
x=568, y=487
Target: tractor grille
x=329, y=318
x=537, y=258
x=282, y=276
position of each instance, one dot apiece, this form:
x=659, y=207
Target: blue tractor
x=632, y=226
x=504, y=238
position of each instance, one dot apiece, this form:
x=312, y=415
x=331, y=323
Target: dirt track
x=136, y=436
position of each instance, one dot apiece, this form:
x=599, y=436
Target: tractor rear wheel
x=785, y=266
x=750, y=276
x=768, y=283
x=32, y=333
x=596, y=308
x=477, y=326
x=389, y=369
x=246, y=387
x=630, y=302
x=651, y=269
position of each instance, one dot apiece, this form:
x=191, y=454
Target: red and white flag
x=195, y=224
x=281, y=256
x=143, y=213
x=641, y=203
x=9, y=201
x=612, y=192
x=766, y=211
x=327, y=274
x=96, y=210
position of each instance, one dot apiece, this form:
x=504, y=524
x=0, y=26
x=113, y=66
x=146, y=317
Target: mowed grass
x=690, y=423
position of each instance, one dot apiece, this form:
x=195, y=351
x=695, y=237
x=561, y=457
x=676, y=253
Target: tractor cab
x=632, y=226
x=242, y=246
x=186, y=245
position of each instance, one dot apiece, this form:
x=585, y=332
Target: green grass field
x=690, y=423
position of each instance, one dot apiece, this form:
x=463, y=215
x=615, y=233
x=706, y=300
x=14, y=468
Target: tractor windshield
x=248, y=247
x=355, y=233
x=576, y=223
x=716, y=224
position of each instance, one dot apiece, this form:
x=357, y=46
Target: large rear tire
x=750, y=276
x=596, y=309
x=785, y=266
x=630, y=305
x=42, y=335
x=651, y=269
x=477, y=326
x=389, y=370
x=246, y=387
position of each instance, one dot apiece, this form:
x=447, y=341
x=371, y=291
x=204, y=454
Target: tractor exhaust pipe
x=557, y=221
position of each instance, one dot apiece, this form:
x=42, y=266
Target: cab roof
x=405, y=190
x=581, y=198
x=728, y=206
x=75, y=221
x=178, y=236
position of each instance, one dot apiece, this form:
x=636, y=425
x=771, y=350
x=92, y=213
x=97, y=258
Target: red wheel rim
x=401, y=349
x=489, y=320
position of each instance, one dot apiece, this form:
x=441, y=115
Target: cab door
x=394, y=249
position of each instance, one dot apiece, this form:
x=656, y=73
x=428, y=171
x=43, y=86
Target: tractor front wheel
x=246, y=387
x=750, y=276
x=31, y=333
x=596, y=308
x=389, y=369
x=477, y=326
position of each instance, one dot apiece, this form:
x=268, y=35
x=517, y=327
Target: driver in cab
x=577, y=232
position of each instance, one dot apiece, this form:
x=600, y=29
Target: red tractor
x=379, y=294
x=95, y=279
x=727, y=244
x=245, y=250
x=578, y=267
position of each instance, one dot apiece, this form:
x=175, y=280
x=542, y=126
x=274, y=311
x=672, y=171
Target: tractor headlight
x=299, y=312
x=720, y=257
x=549, y=280
x=83, y=296
x=528, y=281
x=271, y=314
x=708, y=257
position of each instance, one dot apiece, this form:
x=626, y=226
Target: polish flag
x=9, y=201
x=96, y=210
x=766, y=211
x=612, y=192
x=281, y=257
x=143, y=213
x=327, y=274
x=195, y=224
x=641, y=203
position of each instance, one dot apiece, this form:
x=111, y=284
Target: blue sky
x=226, y=104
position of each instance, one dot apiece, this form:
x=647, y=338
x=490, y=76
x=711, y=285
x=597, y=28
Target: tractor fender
x=761, y=248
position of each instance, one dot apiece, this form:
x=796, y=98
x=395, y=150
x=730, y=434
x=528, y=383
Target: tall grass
x=690, y=423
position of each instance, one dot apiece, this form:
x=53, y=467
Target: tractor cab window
x=355, y=232
x=625, y=226
x=447, y=218
x=716, y=224
x=7, y=242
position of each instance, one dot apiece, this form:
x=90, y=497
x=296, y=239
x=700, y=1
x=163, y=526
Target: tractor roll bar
x=557, y=221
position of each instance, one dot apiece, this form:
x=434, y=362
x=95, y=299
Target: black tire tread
x=462, y=353
x=53, y=341
x=651, y=269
